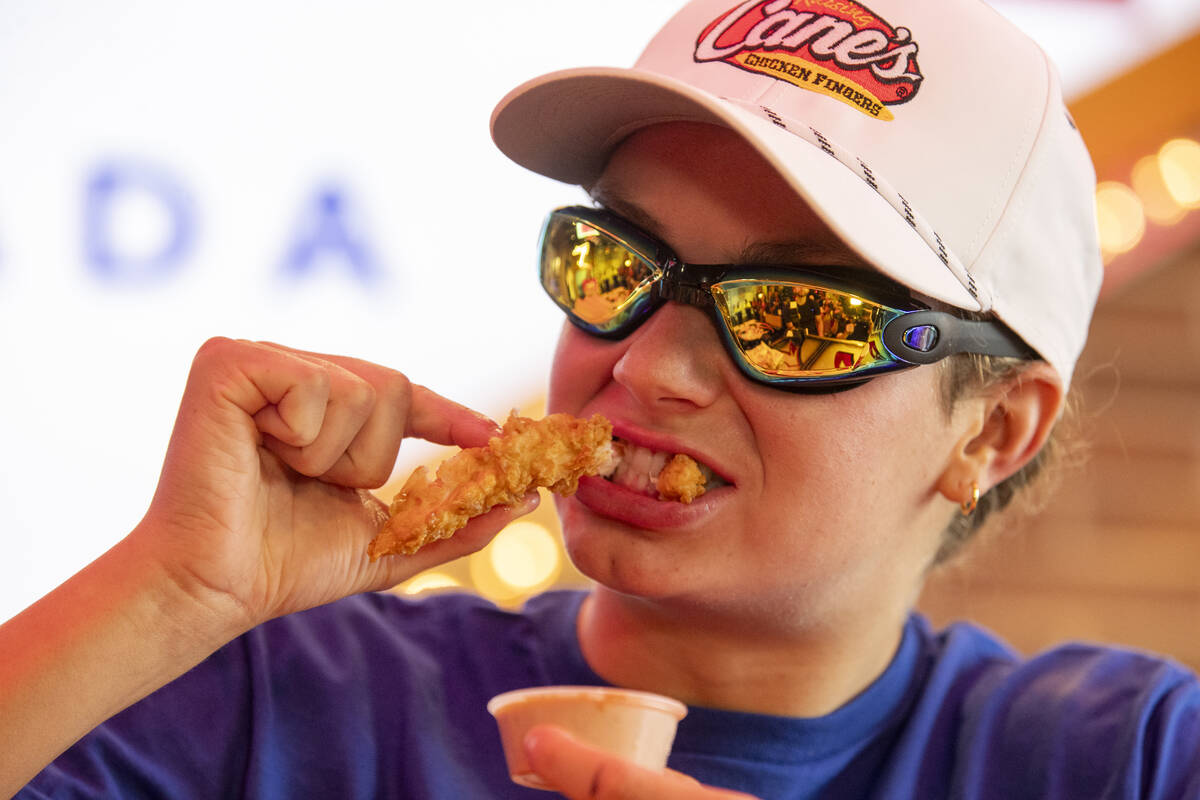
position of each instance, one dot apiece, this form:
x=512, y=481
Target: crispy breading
x=681, y=479
x=553, y=452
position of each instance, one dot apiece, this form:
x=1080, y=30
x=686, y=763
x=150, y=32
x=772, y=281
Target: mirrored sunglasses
x=805, y=328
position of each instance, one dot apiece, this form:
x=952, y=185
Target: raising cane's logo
x=838, y=48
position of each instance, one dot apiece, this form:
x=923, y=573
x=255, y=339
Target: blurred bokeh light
x=1179, y=162
x=1121, y=218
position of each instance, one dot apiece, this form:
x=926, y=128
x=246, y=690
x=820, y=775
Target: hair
x=968, y=375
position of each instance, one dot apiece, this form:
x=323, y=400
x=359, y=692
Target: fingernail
x=533, y=739
x=484, y=419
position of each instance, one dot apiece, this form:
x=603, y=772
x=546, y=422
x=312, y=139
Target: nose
x=674, y=360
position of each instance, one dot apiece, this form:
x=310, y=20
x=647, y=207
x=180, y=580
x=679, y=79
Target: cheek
x=915, y=437
x=582, y=366
x=841, y=461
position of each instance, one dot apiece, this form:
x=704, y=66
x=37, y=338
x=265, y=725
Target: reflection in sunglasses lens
x=591, y=274
x=791, y=330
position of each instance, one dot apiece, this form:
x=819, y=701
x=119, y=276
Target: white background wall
x=126, y=125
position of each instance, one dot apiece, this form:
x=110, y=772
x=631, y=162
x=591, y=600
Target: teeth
x=637, y=468
x=612, y=459
x=633, y=471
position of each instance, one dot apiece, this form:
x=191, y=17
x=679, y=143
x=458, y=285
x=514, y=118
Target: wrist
x=191, y=618
x=107, y=637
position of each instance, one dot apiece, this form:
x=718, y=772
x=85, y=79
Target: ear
x=1002, y=430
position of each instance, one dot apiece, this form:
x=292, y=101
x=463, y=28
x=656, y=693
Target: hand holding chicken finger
x=261, y=509
x=262, y=503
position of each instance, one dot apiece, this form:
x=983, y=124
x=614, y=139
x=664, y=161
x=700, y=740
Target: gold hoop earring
x=968, y=505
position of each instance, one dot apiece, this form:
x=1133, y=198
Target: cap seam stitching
x=916, y=220
x=1031, y=135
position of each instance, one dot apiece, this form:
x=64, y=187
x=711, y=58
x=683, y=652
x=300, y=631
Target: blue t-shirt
x=379, y=696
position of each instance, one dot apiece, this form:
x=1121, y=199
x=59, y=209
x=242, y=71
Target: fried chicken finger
x=554, y=452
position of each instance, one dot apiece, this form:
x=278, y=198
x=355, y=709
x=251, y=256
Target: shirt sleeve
x=1083, y=721
x=188, y=739
x=1171, y=751
x=369, y=697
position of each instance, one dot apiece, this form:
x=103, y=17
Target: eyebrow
x=797, y=252
x=625, y=209
x=800, y=252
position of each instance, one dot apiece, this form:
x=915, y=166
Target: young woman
x=204, y=655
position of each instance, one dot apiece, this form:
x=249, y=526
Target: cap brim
x=565, y=124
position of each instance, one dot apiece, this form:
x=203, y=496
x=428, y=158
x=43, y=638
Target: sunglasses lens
x=592, y=275
x=788, y=330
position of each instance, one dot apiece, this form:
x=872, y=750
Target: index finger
x=442, y=421
x=428, y=415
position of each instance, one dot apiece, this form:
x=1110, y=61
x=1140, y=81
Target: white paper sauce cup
x=639, y=726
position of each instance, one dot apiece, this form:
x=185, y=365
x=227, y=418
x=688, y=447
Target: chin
x=625, y=560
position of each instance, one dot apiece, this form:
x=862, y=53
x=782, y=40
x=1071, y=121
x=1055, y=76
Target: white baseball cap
x=931, y=136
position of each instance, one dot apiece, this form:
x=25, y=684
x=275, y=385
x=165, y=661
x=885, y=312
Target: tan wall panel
x=1083, y=556
x=1133, y=488
x=1146, y=419
x=1033, y=619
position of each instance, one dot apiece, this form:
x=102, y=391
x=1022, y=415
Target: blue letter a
x=325, y=231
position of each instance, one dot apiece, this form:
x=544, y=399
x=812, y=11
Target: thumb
x=580, y=771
